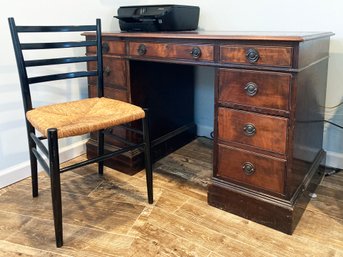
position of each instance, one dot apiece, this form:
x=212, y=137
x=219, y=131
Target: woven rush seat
x=83, y=116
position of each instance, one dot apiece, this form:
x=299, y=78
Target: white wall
x=13, y=142
x=246, y=15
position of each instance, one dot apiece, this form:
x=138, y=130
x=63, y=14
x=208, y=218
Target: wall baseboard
x=334, y=160
x=22, y=170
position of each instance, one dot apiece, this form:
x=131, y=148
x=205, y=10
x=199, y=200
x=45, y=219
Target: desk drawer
x=172, y=51
x=110, y=47
x=255, y=88
x=249, y=168
x=262, y=131
x=257, y=55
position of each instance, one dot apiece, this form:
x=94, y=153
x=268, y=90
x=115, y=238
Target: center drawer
x=259, y=130
x=200, y=52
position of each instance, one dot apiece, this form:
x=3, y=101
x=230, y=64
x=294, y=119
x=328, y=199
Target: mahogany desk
x=269, y=89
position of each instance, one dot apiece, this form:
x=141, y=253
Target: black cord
x=334, y=124
x=209, y=138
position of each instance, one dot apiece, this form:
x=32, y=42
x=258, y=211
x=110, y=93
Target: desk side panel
x=308, y=123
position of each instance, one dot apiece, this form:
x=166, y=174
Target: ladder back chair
x=61, y=120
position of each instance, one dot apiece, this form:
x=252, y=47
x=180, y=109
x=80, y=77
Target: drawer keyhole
x=105, y=47
x=248, y=168
x=251, y=89
x=249, y=129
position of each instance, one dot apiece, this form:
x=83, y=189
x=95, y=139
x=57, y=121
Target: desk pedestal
x=276, y=213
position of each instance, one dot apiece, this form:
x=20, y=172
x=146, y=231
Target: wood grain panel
x=268, y=174
x=271, y=131
x=273, y=89
x=268, y=55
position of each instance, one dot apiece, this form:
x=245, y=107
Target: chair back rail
x=82, y=28
x=23, y=64
x=53, y=61
x=36, y=46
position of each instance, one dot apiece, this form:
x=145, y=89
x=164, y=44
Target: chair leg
x=101, y=151
x=55, y=185
x=33, y=161
x=147, y=155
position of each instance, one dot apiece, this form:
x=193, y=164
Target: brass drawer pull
x=251, y=89
x=252, y=55
x=141, y=49
x=105, y=48
x=249, y=129
x=248, y=168
x=196, y=52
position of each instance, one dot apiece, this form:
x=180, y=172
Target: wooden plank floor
x=109, y=216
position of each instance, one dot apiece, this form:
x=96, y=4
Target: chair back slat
x=23, y=29
x=42, y=62
x=35, y=46
x=69, y=75
x=23, y=63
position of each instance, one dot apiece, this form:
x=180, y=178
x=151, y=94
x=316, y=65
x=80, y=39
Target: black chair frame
x=52, y=168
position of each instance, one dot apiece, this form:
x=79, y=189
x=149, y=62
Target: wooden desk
x=269, y=89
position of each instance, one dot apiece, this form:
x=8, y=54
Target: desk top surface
x=225, y=35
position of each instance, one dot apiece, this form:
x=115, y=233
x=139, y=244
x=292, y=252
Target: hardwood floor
x=110, y=216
